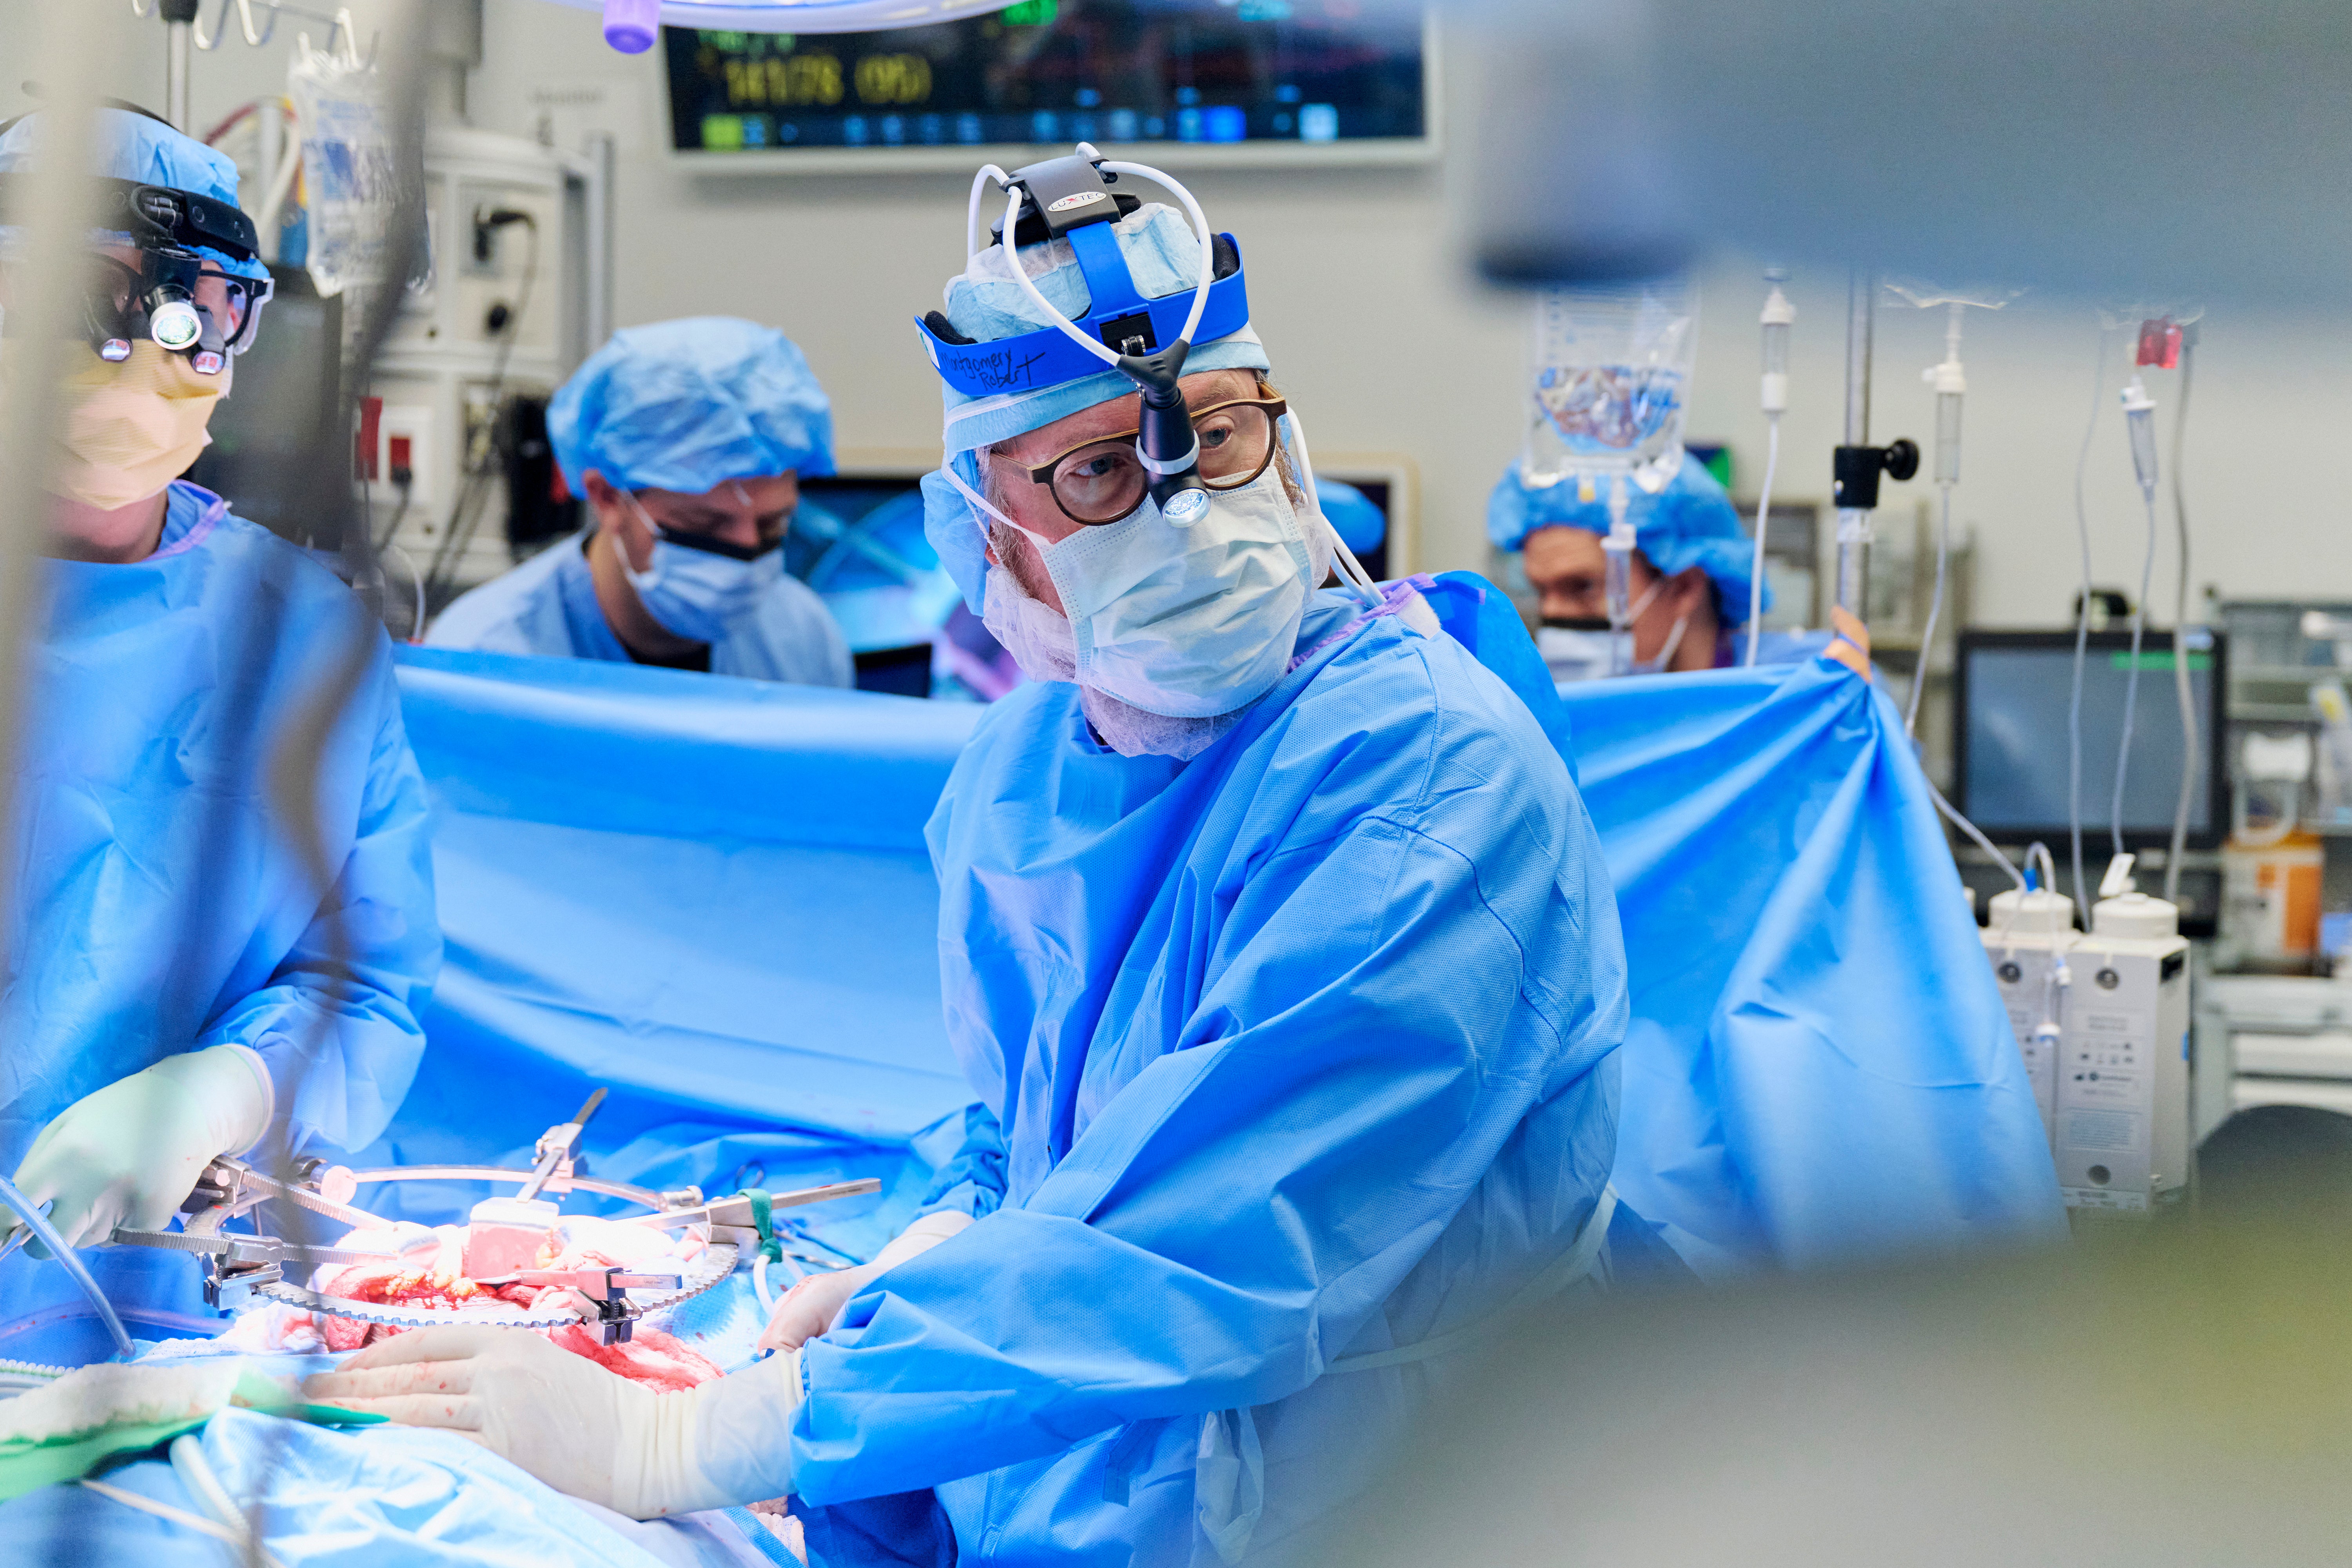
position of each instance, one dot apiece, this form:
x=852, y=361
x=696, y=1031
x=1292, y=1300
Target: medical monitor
x=2010, y=743
x=1183, y=82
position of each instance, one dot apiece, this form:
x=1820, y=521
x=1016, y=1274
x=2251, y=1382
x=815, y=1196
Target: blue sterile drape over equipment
x=1819, y=1065
x=711, y=896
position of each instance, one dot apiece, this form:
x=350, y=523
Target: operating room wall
x=1360, y=284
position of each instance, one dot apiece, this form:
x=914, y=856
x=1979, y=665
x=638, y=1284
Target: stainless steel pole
x=1853, y=523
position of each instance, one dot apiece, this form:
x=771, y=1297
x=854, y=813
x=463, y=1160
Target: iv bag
x=1610, y=381
x=350, y=167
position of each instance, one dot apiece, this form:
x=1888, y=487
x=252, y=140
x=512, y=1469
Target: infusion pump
x=2103, y=1018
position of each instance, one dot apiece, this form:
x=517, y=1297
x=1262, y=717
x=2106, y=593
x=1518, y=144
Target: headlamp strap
x=1114, y=307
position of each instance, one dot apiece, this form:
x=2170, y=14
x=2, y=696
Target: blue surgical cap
x=1163, y=254
x=133, y=147
x=1690, y=522
x=688, y=405
x=984, y=303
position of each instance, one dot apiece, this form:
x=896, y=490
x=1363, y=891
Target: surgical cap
x=986, y=304
x=1690, y=522
x=688, y=405
x=133, y=147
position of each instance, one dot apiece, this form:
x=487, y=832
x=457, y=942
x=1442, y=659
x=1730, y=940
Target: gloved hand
x=129, y=1154
x=809, y=1307
x=580, y=1429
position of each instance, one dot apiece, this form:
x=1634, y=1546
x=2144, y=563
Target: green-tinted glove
x=129, y=1154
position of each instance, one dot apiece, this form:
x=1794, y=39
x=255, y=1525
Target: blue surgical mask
x=696, y=593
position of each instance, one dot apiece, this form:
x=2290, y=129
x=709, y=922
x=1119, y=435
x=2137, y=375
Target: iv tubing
x=1981, y=842
x=2082, y=639
x=2179, y=650
x=1934, y=608
x=1763, y=515
x=2131, y=677
x=70, y=1260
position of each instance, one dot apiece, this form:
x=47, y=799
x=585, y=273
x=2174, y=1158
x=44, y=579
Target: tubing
x=1763, y=516
x=2082, y=640
x=38, y=1223
x=2179, y=651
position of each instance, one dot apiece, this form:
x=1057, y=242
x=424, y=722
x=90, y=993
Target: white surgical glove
x=812, y=1306
x=129, y=1154
x=581, y=1429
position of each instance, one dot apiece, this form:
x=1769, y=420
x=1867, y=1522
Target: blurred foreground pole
x=70, y=46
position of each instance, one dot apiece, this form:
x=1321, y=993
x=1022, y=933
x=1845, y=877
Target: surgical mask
x=1184, y=622
x=1041, y=641
x=1580, y=652
x=1585, y=649
x=696, y=593
x=127, y=430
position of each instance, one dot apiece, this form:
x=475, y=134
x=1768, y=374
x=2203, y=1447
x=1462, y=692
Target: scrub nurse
x=1280, y=956
x=688, y=439
x=180, y=986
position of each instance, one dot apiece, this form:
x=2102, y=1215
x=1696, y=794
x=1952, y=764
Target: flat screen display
x=1264, y=73
x=2011, y=748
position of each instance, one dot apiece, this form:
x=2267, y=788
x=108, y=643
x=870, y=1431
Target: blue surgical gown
x=1298, y=1051
x=547, y=606
x=159, y=906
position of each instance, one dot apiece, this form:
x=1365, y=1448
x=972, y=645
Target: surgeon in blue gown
x=1692, y=569
x=181, y=984
x=689, y=440
x=1280, y=956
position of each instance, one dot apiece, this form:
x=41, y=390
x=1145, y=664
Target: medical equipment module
x=2103, y=1018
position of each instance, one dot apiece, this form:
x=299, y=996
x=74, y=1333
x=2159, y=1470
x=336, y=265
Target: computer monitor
x=2010, y=743
x=1259, y=81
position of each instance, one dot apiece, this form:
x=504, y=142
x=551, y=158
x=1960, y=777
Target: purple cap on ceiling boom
x=630, y=26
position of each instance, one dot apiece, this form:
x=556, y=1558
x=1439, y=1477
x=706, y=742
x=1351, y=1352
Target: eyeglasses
x=1103, y=480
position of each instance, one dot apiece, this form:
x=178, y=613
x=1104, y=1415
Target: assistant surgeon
x=1280, y=954
x=1692, y=567
x=180, y=985
x=688, y=439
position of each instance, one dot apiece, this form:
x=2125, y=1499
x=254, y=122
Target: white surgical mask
x=1588, y=652
x=695, y=594
x=1184, y=622
x=1575, y=653
x=1189, y=622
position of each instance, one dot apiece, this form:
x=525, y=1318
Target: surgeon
x=1279, y=953
x=197, y=965
x=688, y=439
x=1693, y=565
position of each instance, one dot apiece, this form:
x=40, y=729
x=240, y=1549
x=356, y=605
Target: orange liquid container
x=2270, y=895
